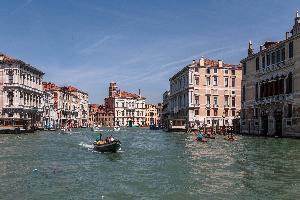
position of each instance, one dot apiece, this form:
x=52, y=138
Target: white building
x=21, y=93
x=129, y=109
x=50, y=114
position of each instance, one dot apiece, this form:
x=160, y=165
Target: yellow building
x=153, y=113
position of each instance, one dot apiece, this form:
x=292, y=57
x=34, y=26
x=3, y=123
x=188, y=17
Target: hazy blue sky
x=137, y=43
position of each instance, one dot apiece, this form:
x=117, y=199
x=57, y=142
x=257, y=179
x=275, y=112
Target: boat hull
x=108, y=147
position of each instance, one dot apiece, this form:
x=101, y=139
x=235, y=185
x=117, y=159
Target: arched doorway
x=278, y=123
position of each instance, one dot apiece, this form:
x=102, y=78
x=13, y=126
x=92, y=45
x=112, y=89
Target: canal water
x=150, y=165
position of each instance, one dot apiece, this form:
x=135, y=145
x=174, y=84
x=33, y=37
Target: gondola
x=113, y=146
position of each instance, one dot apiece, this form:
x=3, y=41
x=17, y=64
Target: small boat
x=96, y=129
x=116, y=128
x=209, y=136
x=113, y=146
x=230, y=138
x=66, y=130
x=203, y=140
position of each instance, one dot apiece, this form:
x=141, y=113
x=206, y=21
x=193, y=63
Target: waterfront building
x=129, y=109
x=153, y=114
x=205, y=92
x=271, y=87
x=99, y=116
x=71, y=105
x=49, y=113
x=21, y=93
x=165, y=110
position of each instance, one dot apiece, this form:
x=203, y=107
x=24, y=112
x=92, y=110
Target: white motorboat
x=117, y=128
x=96, y=129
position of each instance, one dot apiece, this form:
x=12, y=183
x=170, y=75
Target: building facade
x=49, y=113
x=99, y=116
x=153, y=114
x=70, y=105
x=206, y=92
x=129, y=109
x=271, y=87
x=21, y=93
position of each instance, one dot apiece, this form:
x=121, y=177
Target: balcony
x=215, y=106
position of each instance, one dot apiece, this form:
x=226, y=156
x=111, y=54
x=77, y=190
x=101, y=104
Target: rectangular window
x=226, y=81
x=233, y=72
x=256, y=91
x=215, y=112
x=278, y=56
x=226, y=71
x=196, y=69
x=197, y=112
x=207, y=100
x=264, y=62
x=207, y=70
x=207, y=81
x=257, y=63
x=215, y=80
x=197, y=100
x=208, y=113
x=268, y=59
x=290, y=110
x=273, y=58
x=226, y=101
x=291, y=50
x=233, y=82
x=233, y=113
x=282, y=54
x=197, y=80
x=243, y=93
x=215, y=70
x=215, y=101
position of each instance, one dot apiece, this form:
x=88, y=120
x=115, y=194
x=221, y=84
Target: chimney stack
x=201, y=62
x=220, y=63
x=286, y=35
x=260, y=47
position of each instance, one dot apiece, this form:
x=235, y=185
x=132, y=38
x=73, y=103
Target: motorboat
x=96, y=129
x=117, y=128
x=104, y=146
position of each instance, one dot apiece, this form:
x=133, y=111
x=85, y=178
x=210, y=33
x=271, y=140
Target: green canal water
x=150, y=165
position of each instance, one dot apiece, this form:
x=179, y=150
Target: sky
x=139, y=44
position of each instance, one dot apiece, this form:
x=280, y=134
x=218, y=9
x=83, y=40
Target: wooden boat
x=113, y=146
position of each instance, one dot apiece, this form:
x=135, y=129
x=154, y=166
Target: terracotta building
x=99, y=116
x=204, y=92
x=271, y=87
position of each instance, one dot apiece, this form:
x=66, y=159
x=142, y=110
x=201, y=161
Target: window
x=289, y=83
x=263, y=62
x=215, y=112
x=233, y=72
x=226, y=71
x=207, y=81
x=226, y=81
x=215, y=80
x=268, y=60
x=208, y=121
x=257, y=63
x=197, y=112
x=226, y=101
x=233, y=101
x=291, y=50
x=207, y=70
x=215, y=70
x=233, y=113
x=197, y=80
x=244, y=68
x=273, y=58
x=226, y=114
x=233, y=82
x=207, y=100
x=10, y=96
x=208, y=113
x=282, y=54
x=197, y=100
x=215, y=100
x=196, y=69
x=278, y=56
x=290, y=110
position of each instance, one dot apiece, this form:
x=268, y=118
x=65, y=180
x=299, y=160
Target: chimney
x=201, y=62
x=260, y=47
x=220, y=63
x=286, y=35
x=140, y=92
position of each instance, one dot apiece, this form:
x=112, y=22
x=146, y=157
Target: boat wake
x=85, y=145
